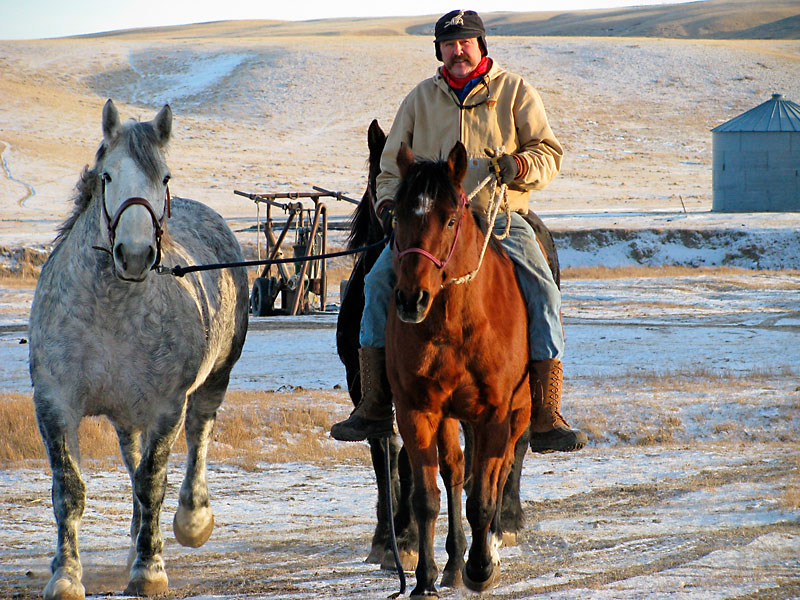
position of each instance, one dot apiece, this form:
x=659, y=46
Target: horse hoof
x=64, y=586
x=192, y=528
x=147, y=588
x=147, y=584
x=408, y=559
x=452, y=578
x=147, y=578
x=424, y=595
x=481, y=586
x=375, y=555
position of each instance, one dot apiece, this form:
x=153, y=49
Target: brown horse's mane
x=142, y=145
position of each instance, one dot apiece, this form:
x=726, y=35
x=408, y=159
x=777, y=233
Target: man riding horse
x=472, y=100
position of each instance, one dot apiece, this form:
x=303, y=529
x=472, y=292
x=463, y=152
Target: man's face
x=460, y=56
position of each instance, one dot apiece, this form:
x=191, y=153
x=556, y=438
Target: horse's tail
x=546, y=239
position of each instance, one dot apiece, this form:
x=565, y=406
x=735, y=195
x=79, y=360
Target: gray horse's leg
x=147, y=575
x=130, y=448
x=194, y=520
x=60, y=435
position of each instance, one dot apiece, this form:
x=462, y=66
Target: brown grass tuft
x=642, y=271
x=252, y=428
x=20, y=440
x=20, y=267
x=258, y=427
x=19, y=434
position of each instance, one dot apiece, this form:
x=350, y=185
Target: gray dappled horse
x=110, y=337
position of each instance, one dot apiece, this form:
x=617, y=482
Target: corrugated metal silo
x=756, y=159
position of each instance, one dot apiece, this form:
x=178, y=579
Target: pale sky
x=32, y=19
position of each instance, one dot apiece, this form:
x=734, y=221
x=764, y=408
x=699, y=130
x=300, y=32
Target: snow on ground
x=681, y=494
x=688, y=489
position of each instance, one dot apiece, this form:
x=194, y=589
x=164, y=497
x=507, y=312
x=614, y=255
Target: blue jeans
x=539, y=290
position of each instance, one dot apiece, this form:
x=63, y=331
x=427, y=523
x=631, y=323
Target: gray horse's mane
x=143, y=147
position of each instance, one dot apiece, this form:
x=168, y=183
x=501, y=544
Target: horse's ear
x=376, y=139
x=162, y=125
x=405, y=158
x=457, y=161
x=110, y=121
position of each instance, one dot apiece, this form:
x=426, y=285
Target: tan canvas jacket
x=506, y=111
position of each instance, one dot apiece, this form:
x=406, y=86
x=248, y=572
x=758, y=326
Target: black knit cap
x=459, y=25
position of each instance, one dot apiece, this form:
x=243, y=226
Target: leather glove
x=508, y=168
x=386, y=216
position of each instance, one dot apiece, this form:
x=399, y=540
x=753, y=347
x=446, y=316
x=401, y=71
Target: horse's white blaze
x=424, y=204
x=135, y=241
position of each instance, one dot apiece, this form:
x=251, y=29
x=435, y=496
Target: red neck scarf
x=458, y=83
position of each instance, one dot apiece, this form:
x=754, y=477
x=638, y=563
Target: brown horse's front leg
x=488, y=466
x=451, y=463
x=419, y=435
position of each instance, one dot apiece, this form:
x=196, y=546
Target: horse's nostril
x=119, y=256
x=422, y=299
x=151, y=255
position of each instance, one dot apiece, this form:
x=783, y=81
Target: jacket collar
x=477, y=95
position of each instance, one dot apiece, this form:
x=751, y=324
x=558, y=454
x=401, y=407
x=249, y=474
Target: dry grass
x=20, y=440
x=252, y=428
x=19, y=435
x=631, y=272
x=697, y=380
x=255, y=428
x=20, y=267
x=273, y=427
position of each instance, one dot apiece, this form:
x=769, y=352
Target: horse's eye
x=166, y=179
x=106, y=177
x=451, y=223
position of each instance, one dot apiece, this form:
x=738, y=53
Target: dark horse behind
x=365, y=229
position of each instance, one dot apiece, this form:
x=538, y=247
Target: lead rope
x=498, y=197
x=386, y=446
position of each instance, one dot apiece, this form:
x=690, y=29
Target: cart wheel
x=261, y=299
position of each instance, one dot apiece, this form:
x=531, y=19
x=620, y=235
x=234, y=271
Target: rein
x=158, y=224
x=499, y=197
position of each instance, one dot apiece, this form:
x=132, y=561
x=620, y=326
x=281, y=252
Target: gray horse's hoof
x=192, y=528
x=64, y=586
x=147, y=581
x=481, y=586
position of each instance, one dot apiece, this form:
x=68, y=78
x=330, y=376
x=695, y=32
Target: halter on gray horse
x=150, y=352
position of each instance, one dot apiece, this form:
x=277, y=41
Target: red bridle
x=440, y=264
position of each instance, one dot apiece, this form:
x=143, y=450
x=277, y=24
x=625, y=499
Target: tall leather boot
x=373, y=415
x=550, y=432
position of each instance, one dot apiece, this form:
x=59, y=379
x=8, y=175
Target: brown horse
x=455, y=352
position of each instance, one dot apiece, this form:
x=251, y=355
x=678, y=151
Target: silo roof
x=776, y=114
